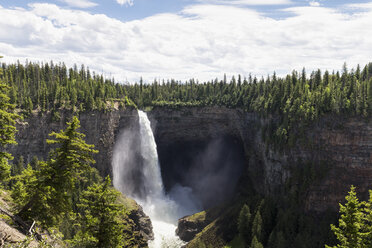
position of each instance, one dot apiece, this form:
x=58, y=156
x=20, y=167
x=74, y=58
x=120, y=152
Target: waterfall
x=144, y=182
x=153, y=184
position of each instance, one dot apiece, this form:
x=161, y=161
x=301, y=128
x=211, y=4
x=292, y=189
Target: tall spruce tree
x=257, y=225
x=255, y=243
x=244, y=223
x=50, y=195
x=100, y=218
x=349, y=230
x=367, y=219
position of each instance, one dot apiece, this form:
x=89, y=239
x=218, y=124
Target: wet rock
x=188, y=227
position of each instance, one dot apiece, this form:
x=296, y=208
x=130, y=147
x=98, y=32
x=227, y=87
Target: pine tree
x=367, y=219
x=18, y=167
x=21, y=189
x=100, y=217
x=71, y=158
x=244, y=223
x=350, y=225
x=7, y=129
x=56, y=179
x=257, y=225
x=255, y=243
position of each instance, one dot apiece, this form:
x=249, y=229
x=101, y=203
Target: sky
x=183, y=39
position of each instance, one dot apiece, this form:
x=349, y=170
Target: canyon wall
x=344, y=144
x=100, y=128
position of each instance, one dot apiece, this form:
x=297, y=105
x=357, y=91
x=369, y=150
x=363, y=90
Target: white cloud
x=203, y=41
x=80, y=3
x=125, y=2
x=359, y=6
x=314, y=4
x=247, y=2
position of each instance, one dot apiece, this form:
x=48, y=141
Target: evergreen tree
x=50, y=195
x=100, y=217
x=255, y=243
x=350, y=225
x=244, y=223
x=257, y=225
x=7, y=129
x=23, y=183
x=18, y=167
x=34, y=163
x=367, y=219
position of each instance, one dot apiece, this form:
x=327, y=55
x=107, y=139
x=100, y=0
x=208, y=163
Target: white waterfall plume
x=140, y=178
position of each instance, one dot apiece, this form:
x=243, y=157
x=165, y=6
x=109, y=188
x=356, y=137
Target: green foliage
x=244, y=223
x=51, y=87
x=354, y=227
x=7, y=129
x=257, y=225
x=255, y=243
x=50, y=194
x=237, y=242
x=71, y=158
x=68, y=196
x=367, y=219
x=18, y=167
x=24, y=183
x=295, y=100
x=100, y=217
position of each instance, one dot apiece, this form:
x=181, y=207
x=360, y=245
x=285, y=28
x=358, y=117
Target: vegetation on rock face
x=244, y=223
x=270, y=221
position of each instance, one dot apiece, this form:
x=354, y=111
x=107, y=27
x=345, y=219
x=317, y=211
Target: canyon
x=182, y=134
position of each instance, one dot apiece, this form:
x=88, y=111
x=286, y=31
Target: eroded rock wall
x=345, y=144
x=100, y=128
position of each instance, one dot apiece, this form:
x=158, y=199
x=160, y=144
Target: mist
x=216, y=171
x=208, y=178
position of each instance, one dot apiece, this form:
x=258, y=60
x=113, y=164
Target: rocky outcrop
x=11, y=236
x=12, y=228
x=138, y=224
x=188, y=226
x=143, y=223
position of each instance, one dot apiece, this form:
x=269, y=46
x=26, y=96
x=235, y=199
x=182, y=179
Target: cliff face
x=101, y=129
x=344, y=144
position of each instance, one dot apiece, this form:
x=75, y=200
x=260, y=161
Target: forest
x=69, y=198
x=296, y=100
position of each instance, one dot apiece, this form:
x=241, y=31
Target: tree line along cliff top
x=296, y=99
